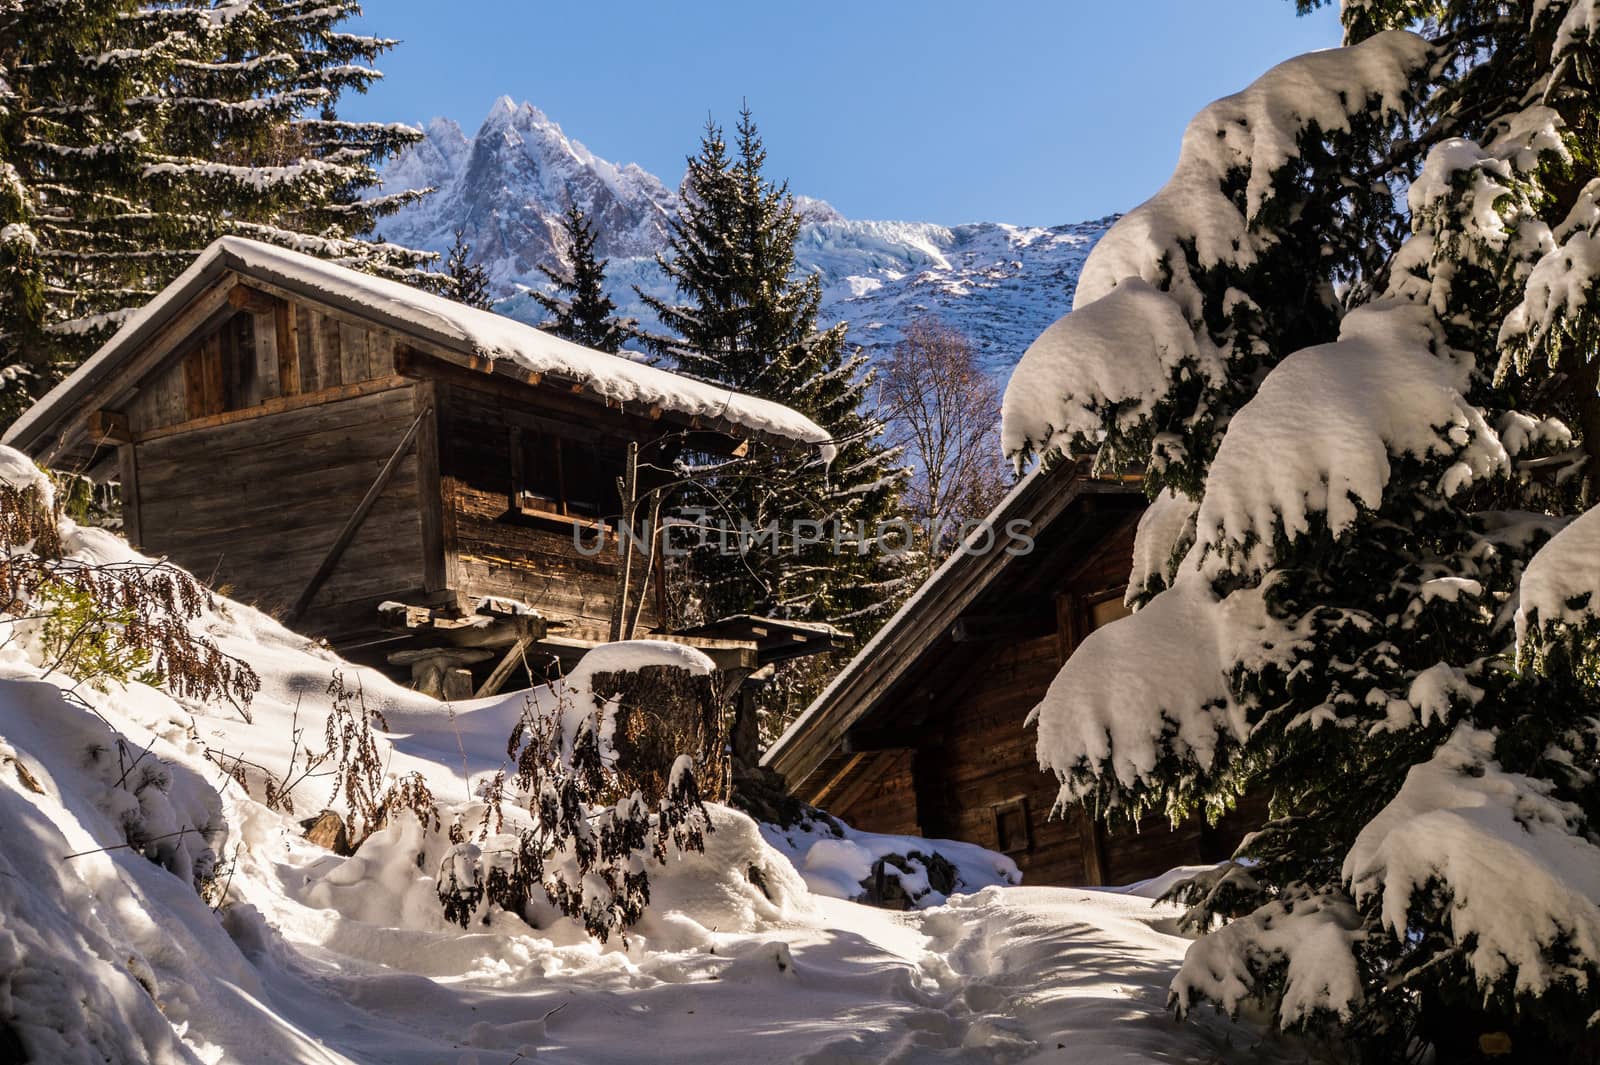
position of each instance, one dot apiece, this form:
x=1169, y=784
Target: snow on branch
x=1559, y=288
x=1561, y=584
x=1116, y=713
x=1497, y=856
x=1319, y=434
x=1255, y=133
x=1110, y=361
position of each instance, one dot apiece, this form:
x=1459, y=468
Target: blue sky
x=1028, y=112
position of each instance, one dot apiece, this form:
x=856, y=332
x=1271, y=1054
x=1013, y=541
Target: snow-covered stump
x=656, y=710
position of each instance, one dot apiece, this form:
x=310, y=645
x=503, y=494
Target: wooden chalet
x=923, y=732
x=406, y=476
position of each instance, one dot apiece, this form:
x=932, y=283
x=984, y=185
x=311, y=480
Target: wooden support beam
x=357, y=516
x=287, y=332
x=129, y=460
x=989, y=628
x=503, y=671
x=109, y=425
x=248, y=298
x=1092, y=843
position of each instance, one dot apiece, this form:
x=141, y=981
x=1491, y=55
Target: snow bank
x=1498, y=853
x=836, y=865
x=316, y=959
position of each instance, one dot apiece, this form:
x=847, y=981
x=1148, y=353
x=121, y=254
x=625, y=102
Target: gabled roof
x=1048, y=501
x=452, y=325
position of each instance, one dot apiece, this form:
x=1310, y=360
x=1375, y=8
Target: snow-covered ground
x=108, y=955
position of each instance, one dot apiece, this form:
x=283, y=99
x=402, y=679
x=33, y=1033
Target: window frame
x=1016, y=804
x=527, y=503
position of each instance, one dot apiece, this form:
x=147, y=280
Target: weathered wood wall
x=491, y=548
x=253, y=505
x=269, y=349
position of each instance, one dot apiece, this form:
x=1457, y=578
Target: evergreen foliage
x=132, y=134
x=470, y=281
x=746, y=320
x=579, y=309
x=1365, y=334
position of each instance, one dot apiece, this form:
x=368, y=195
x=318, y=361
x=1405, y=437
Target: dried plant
x=360, y=772
x=586, y=852
x=110, y=621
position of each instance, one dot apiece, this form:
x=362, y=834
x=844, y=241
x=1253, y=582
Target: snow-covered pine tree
x=469, y=280
x=579, y=309
x=1352, y=343
x=137, y=132
x=749, y=322
x=252, y=141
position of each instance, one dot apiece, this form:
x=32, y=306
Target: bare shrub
x=359, y=771
x=110, y=621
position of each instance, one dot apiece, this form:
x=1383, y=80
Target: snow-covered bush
x=1353, y=345
x=592, y=833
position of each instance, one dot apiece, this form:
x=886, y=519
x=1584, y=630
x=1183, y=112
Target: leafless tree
x=944, y=411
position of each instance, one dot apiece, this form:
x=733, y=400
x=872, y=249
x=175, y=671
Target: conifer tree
x=1352, y=344
x=748, y=321
x=579, y=309
x=469, y=280
x=137, y=133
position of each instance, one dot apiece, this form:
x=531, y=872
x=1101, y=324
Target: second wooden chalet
x=924, y=731
x=409, y=477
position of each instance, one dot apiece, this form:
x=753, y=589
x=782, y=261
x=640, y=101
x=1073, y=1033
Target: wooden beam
x=109, y=425
x=430, y=494
x=822, y=793
x=357, y=516
x=1092, y=842
x=287, y=331
x=278, y=405
x=988, y=628
x=129, y=460
x=502, y=672
x=249, y=298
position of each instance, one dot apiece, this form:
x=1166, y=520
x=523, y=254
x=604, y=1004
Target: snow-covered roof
x=453, y=325
x=1038, y=499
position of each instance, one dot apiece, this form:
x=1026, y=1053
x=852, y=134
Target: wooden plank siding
x=255, y=356
x=491, y=549
x=253, y=505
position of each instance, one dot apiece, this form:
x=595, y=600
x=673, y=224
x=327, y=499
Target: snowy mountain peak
x=506, y=187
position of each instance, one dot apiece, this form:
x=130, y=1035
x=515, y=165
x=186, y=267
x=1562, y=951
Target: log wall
x=494, y=549
x=269, y=349
x=975, y=760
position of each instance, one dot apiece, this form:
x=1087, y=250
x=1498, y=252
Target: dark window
x=1011, y=831
x=556, y=474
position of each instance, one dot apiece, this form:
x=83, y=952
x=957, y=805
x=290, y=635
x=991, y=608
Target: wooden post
x=627, y=490
x=1091, y=840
